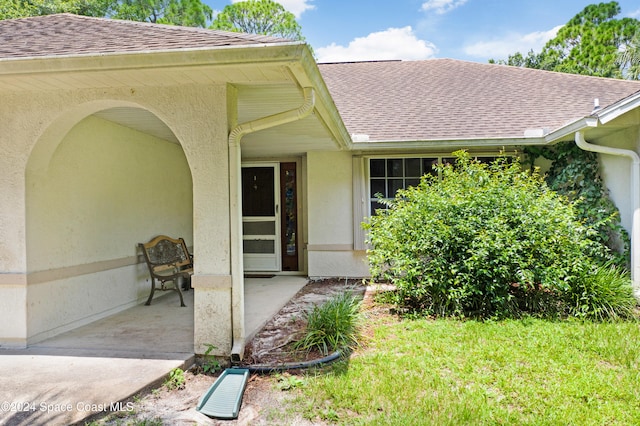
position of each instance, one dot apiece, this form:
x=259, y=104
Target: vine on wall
x=575, y=173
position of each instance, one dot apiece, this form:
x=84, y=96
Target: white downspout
x=235, y=199
x=635, y=198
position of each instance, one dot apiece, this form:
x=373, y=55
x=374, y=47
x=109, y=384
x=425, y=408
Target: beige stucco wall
x=75, y=191
x=13, y=308
x=330, y=215
x=616, y=172
x=106, y=189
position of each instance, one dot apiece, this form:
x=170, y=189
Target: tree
x=259, y=17
x=629, y=58
x=188, y=13
x=588, y=44
x=11, y=9
x=192, y=13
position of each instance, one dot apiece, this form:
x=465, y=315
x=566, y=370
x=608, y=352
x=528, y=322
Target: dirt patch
x=161, y=406
x=273, y=345
x=263, y=401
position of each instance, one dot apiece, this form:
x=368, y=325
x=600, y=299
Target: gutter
x=235, y=198
x=445, y=143
x=635, y=197
x=285, y=52
x=619, y=108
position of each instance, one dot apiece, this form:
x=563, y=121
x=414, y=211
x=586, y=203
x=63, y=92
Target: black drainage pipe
x=277, y=368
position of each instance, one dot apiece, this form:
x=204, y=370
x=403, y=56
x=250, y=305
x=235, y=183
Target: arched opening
x=104, y=177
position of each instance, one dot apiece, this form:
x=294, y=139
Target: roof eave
x=567, y=131
x=447, y=143
x=216, y=55
x=619, y=108
x=295, y=56
x=557, y=135
x=307, y=73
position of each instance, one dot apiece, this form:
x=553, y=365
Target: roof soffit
x=267, y=65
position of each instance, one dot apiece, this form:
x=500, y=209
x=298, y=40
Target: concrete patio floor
x=80, y=373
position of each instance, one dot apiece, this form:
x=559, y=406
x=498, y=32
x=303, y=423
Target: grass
x=515, y=372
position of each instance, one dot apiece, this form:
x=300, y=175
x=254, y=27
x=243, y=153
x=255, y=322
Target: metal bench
x=168, y=259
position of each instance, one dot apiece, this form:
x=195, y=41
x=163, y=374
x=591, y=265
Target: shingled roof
x=67, y=34
x=446, y=99
x=438, y=99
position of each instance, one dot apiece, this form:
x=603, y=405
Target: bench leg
x=177, y=283
x=153, y=289
x=186, y=283
x=176, y=286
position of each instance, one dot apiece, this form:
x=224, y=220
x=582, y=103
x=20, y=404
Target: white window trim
x=362, y=186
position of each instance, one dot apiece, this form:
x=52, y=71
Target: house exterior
x=264, y=161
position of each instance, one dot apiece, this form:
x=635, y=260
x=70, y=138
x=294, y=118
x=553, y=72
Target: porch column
x=200, y=121
x=16, y=140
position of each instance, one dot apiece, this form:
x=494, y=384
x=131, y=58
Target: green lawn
x=447, y=372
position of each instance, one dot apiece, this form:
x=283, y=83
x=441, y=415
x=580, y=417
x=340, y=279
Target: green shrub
x=486, y=240
x=575, y=173
x=603, y=294
x=332, y=325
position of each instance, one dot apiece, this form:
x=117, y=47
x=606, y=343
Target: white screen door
x=260, y=217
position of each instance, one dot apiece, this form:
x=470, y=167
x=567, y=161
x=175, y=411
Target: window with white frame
x=384, y=176
x=388, y=175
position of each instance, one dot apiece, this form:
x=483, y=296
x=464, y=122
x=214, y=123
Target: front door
x=261, y=241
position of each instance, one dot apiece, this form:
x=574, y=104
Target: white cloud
x=393, y=43
x=297, y=7
x=634, y=14
x=441, y=6
x=510, y=44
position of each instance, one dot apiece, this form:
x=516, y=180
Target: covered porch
x=164, y=330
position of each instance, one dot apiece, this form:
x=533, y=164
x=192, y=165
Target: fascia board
x=549, y=138
x=175, y=58
x=619, y=108
x=307, y=74
x=447, y=144
x=294, y=55
x=571, y=128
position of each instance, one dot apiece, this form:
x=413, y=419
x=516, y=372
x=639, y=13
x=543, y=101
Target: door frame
x=261, y=262
x=299, y=211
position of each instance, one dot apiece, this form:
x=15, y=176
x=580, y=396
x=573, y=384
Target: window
x=388, y=175
x=373, y=175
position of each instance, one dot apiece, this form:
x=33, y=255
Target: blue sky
x=474, y=30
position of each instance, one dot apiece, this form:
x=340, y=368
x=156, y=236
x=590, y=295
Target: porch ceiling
x=140, y=120
x=293, y=139
x=45, y=76
x=254, y=102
